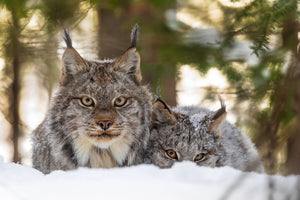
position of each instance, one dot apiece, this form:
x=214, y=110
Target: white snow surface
x=184, y=180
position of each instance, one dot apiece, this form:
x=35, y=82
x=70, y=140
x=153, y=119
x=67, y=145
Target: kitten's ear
x=217, y=118
x=73, y=63
x=161, y=113
x=129, y=62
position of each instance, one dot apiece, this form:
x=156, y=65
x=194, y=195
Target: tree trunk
x=112, y=41
x=15, y=48
x=293, y=150
x=293, y=142
x=291, y=42
x=286, y=89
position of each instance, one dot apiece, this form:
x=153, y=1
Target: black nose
x=105, y=124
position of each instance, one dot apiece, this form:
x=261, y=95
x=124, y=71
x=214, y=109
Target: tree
x=13, y=49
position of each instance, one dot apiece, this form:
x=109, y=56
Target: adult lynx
x=199, y=135
x=99, y=116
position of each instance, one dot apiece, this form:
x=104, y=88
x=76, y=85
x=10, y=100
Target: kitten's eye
x=87, y=101
x=172, y=154
x=199, y=157
x=120, y=101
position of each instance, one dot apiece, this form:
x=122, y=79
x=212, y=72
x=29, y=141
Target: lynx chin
x=198, y=135
x=99, y=115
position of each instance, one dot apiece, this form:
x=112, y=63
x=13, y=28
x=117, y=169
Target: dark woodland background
x=271, y=28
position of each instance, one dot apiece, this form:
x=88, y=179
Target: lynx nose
x=105, y=124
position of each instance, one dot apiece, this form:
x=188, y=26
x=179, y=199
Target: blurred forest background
x=251, y=44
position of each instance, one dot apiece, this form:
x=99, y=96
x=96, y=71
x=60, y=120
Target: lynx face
x=102, y=105
x=100, y=115
x=178, y=136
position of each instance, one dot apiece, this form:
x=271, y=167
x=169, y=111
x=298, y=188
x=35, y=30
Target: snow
x=184, y=180
x=196, y=118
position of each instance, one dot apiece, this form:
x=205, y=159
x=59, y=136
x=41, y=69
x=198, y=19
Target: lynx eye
x=172, y=154
x=199, y=157
x=120, y=101
x=87, y=101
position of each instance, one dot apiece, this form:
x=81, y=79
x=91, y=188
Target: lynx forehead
x=99, y=116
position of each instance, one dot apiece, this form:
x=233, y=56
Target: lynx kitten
x=199, y=135
x=99, y=116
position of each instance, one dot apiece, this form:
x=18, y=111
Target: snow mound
x=183, y=181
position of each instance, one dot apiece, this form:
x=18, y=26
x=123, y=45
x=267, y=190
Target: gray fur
x=193, y=130
x=70, y=135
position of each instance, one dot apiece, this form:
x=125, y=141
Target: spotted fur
x=192, y=131
x=71, y=135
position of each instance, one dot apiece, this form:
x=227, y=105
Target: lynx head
x=101, y=102
x=184, y=133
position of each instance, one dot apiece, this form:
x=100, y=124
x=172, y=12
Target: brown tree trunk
x=16, y=132
x=291, y=42
x=169, y=89
x=293, y=150
x=293, y=142
x=112, y=41
x=286, y=89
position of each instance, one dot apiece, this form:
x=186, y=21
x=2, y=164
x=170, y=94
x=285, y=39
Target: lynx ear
x=217, y=118
x=129, y=62
x=73, y=63
x=161, y=114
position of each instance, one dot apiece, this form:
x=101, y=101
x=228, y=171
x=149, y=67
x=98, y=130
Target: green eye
x=87, y=101
x=172, y=154
x=199, y=157
x=120, y=101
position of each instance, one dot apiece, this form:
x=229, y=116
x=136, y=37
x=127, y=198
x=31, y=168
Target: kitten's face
x=184, y=137
x=179, y=142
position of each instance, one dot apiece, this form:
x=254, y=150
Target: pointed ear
x=217, y=118
x=161, y=114
x=73, y=63
x=129, y=63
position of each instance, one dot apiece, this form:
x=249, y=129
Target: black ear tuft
x=67, y=38
x=134, y=35
x=129, y=62
x=73, y=63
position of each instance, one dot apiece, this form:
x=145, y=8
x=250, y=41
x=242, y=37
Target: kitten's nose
x=105, y=124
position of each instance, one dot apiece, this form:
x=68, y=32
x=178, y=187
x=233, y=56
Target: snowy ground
x=184, y=181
